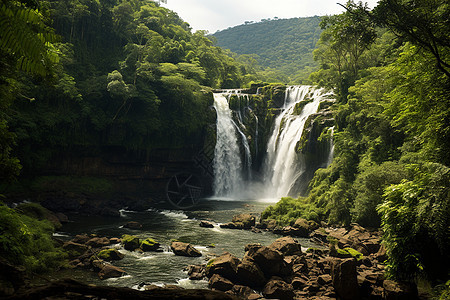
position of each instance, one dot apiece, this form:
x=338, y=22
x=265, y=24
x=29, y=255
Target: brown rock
x=217, y=282
x=324, y=279
x=114, y=241
x=133, y=225
x=184, y=249
x=298, y=283
x=110, y=271
x=81, y=239
x=206, y=224
x=286, y=246
x=278, y=289
x=270, y=261
x=242, y=291
x=247, y=220
x=196, y=272
x=224, y=265
x=232, y=225
x=98, y=242
x=249, y=274
x=343, y=273
x=74, y=249
x=399, y=291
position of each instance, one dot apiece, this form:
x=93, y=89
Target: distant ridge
x=283, y=45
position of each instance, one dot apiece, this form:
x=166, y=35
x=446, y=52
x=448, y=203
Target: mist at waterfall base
x=283, y=171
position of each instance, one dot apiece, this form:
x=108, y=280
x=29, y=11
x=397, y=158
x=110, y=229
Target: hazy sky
x=213, y=15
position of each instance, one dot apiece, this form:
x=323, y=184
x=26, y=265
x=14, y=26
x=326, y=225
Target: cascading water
x=227, y=161
x=282, y=165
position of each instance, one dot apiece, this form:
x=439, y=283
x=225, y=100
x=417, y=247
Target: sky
x=213, y=15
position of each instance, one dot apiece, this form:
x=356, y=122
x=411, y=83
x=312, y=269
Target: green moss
x=110, y=254
x=149, y=245
x=354, y=253
x=130, y=242
x=300, y=105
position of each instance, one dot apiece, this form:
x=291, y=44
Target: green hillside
x=281, y=46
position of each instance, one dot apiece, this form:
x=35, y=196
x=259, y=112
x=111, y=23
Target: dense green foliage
x=130, y=74
x=27, y=241
x=392, y=131
x=282, y=47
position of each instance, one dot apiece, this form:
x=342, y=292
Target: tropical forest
x=287, y=158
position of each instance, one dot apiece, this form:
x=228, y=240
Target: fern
x=24, y=35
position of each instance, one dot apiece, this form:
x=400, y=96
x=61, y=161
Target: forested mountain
x=282, y=46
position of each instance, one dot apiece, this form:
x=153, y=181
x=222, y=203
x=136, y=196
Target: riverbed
x=164, y=225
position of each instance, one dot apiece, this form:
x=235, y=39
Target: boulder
x=184, y=249
x=196, y=272
x=249, y=274
x=292, y=231
x=81, y=239
x=399, y=291
x=224, y=265
x=74, y=249
x=246, y=220
x=270, y=261
x=286, y=246
x=149, y=245
x=130, y=242
x=217, y=282
x=241, y=291
x=98, y=242
x=110, y=271
x=303, y=225
x=110, y=254
x=133, y=225
x=114, y=240
x=344, y=276
x=278, y=289
x=232, y=225
x=206, y=224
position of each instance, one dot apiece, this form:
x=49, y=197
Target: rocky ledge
x=349, y=265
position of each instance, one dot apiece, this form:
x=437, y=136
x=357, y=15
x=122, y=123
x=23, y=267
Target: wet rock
x=130, y=242
x=343, y=273
x=224, y=265
x=114, y=241
x=98, y=242
x=242, y=291
x=110, y=271
x=399, y=291
x=286, y=246
x=270, y=261
x=246, y=220
x=206, y=224
x=249, y=274
x=278, y=289
x=133, y=225
x=299, y=283
x=149, y=245
x=74, y=249
x=196, y=272
x=324, y=279
x=81, y=239
x=184, y=249
x=252, y=247
x=110, y=254
x=232, y=225
x=217, y=282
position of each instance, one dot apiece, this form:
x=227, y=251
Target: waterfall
x=331, y=153
x=283, y=166
x=227, y=160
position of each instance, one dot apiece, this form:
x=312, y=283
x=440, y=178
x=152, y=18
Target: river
x=165, y=225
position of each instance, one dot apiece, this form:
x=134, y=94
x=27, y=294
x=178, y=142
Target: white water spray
x=282, y=165
x=227, y=161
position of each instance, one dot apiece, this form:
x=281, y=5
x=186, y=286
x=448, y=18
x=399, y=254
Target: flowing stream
x=163, y=226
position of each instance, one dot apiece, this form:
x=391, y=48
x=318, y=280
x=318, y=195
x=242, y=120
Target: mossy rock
x=110, y=254
x=130, y=242
x=149, y=245
x=346, y=253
